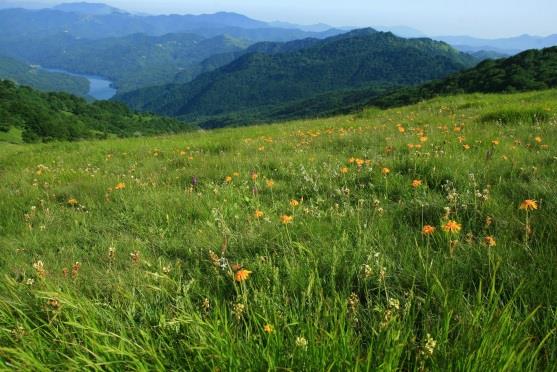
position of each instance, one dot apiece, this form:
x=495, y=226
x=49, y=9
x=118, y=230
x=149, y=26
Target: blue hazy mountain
x=87, y=8
x=511, y=45
x=20, y=23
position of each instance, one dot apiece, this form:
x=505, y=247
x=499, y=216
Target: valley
x=99, y=88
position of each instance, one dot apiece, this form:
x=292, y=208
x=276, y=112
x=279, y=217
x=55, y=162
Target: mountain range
x=97, y=23
x=508, y=46
x=278, y=73
x=131, y=62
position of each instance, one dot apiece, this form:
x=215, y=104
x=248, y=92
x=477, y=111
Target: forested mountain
x=131, y=62
x=280, y=74
x=23, y=74
x=529, y=70
x=61, y=116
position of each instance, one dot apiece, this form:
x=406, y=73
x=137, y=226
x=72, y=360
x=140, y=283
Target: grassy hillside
x=268, y=77
x=23, y=74
x=60, y=116
x=311, y=245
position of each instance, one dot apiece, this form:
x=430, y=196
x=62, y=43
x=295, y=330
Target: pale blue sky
x=483, y=18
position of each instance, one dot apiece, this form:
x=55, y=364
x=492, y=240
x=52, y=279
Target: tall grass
x=123, y=254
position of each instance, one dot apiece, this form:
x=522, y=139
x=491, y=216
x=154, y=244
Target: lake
x=99, y=87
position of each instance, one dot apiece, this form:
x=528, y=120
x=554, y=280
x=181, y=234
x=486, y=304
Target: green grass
x=11, y=136
x=350, y=284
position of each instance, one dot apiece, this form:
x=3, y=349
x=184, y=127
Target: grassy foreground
x=315, y=245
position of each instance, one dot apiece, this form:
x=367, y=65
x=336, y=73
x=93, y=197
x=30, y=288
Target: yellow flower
x=466, y=147
x=528, y=205
x=360, y=162
x=452, y=227
x=270, y=183
x=267, y=328
x=228, y=179
x=385, y=171
x=538, y=139
x=423, y=139
x=495, y=142
x=428, y=230
x=344, y=170
x=72, y=202
x=259, y=214
x=490, y=241
x=416, y=183
x=120, y=186
x=242, y=275
x=286, y=219
x=294, y=203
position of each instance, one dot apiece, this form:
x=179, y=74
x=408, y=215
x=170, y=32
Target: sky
x=480, y=18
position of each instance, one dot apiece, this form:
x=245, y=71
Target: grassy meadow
x=417, y=238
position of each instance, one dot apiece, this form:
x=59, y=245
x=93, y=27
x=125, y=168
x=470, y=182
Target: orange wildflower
x=242, y=275
x=267, y=328
x=228, y=179
x=385, y=171
x=259, y=214
x=416, y=183
x=72, y=202
x=490, y=241
x=120, y=186
x=286, y=219
x=344, y=170
x=452, y=227
x=428, y=230
x=270, y=183
x=528, y=205
x=294, y=203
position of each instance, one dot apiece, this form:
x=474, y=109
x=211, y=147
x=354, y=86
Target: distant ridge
x=275, y=74
x=88, y=8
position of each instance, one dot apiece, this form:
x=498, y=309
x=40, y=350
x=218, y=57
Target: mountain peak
x=87, y=8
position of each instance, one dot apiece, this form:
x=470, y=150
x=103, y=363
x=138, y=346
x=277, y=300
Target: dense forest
x=275, y=75
x=529, y=70
x=61, y=116
x=23, y=74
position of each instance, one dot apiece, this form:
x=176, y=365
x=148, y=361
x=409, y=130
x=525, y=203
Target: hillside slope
x=529, y=70
x=273, y=77
x=420, y=238
x=61, y=116
x=23, y=74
